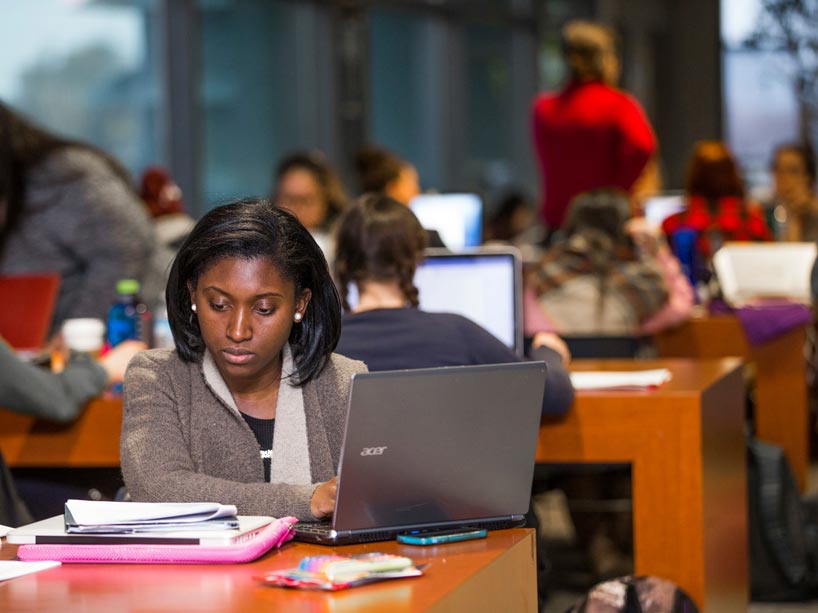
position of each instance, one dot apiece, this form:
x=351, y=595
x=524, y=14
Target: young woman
x=380, y=243
x=610, y=276
x=69, y=208
x=249, y=408
x=795, y=215
x=717, y=210
x=308, y=186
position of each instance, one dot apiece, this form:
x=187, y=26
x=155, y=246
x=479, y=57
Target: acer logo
x=373, y=450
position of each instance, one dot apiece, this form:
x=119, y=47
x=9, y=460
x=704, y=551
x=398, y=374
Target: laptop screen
x=28, y=304
x=483, y=286
x=456, y=217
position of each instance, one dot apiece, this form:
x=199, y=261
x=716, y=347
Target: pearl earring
x=193, y=307
x=297, y=317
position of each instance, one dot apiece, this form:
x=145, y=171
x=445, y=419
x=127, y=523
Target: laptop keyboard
x=310, y=528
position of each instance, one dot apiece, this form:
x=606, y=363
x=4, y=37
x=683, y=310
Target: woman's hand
x=322, y=503
x=117, y=359
x=552, y=341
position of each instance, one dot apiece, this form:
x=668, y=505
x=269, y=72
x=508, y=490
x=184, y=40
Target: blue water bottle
x=126, y=314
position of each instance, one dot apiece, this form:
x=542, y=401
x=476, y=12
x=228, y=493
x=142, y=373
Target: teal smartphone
x=436, y=537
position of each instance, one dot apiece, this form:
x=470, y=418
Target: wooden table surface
x=684, y=440
x=781, y=406
x=492, y=574
x=685, y=444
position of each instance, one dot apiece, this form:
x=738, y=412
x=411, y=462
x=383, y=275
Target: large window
x=262, y=91
x=86, y=70
x=760, y=108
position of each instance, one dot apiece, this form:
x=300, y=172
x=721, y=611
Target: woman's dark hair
x=379, y=239
x=257, y=229
x=24, y=145
x=325, y=175
x=601, y=213
x=802, y=150
x=713, y=173
x=377, y=168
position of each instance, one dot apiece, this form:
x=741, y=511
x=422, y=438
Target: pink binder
x=277, y=533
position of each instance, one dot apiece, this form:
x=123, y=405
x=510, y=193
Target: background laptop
x=458, y=218
x=435, y=447
x=765, y=270
x=484, y=285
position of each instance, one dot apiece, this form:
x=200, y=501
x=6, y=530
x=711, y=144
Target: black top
x=263, y=429
x=395, y=339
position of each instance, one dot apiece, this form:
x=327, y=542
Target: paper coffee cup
x=84, y=334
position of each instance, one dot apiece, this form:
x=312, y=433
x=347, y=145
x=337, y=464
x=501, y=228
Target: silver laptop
x=435, y=448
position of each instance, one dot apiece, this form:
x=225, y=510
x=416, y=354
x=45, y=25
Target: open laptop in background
x=458, y=218
x=765, y=270
x=435, y=448
x=28, y=305
x=484, y=285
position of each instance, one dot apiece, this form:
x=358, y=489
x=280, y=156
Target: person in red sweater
x=716, y=211
x=589, y=135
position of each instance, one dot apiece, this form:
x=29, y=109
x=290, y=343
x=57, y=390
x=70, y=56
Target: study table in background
x=492, y=574
x=684, y=440
x=685, y=444
x=781, y=407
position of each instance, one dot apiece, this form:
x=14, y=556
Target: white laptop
x=483, y=285
x=765, y=270
x=458, y=218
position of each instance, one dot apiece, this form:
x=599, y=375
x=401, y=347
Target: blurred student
x=380, y=171
x=310, y=188
x=70, y=208
x=795, y=202
x=612, y=275
x=249, y=408
x=380, y=243
x=34, y=390
x=716, y=210
x=590, y=134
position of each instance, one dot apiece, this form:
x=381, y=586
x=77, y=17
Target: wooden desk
x=685, y=443
x=781, y=408
x=92, y=440
x=493, y=574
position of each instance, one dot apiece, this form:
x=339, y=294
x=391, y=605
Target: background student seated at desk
x=249, y=408
x=70, y=208
x=379, y=245
x=33, y=390
x=611, y=275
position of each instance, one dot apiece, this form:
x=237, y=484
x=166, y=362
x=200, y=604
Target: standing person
x=794, y=199
x=69, y=208
x=310, y=188
x=590, y=135
x=249, y=408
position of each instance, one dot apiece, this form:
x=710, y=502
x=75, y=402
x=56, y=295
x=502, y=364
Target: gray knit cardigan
x=182, y=442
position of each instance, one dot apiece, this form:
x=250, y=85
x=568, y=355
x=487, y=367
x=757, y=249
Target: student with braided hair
x=379, y=245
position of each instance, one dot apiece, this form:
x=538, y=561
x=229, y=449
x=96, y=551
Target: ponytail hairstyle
x=379, y=239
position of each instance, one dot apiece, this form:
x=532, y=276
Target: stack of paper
x=102, y=517
x=628, y=379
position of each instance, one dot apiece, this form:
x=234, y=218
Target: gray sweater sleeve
x=32, y=390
